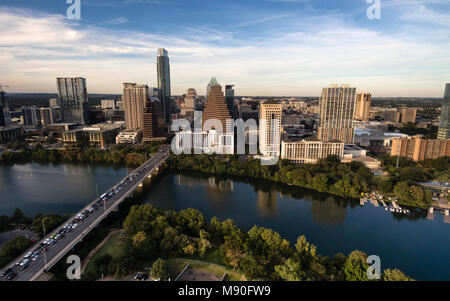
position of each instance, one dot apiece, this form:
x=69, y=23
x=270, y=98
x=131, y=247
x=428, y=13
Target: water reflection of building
x=268, y=202
x=210, y=183
x=328, y=211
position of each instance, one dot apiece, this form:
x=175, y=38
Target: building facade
x=270, y=115
x=408, y=115
x=363, y=101
x=418, y=149
x=73, y=99
x=134, y=98
x=129, y=137
x=216, y=108
x=336, y=113
x=31, y=116
x=163, y=72
x=444, y=126
x=153, y=121
x=310, y=151
x=229, y=99
x=9, y=134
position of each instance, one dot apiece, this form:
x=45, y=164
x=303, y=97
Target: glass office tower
x=444, y=127
x=163, y=73
x=72, y=94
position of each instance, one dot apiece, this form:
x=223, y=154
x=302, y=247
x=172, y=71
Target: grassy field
x=113, y=246
x=177, y=264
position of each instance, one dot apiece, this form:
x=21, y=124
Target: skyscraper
x=5, y=118
x=72, y=94
x=190, y=101
x=229, y=98
x=270, y=113
x=163, y=73
x=444, y=127
x=153, y=121
x=216, y=107
x=336, y=114
x=212, y=82
x=134, y=98
x=363, y=101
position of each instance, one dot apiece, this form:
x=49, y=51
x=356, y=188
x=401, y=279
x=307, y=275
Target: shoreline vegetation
x=159, y=236
x=327, y=176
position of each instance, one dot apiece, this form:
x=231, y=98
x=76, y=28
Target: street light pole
x=45, y=252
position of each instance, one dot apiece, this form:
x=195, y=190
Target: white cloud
x=313, y=53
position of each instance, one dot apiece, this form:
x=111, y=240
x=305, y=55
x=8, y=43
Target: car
x=36, y=257
x=44, y=249
x=6, y=272
x=24, y=265
x=10, y=276
x=28, y=254
x=74, y=226
x=52, y=236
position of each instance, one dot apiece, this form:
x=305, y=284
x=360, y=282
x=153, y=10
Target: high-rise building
x=108, y=104
x=191, y=100
x=31, y=116
x=72, y=94
x=48, y=116
x=163, y=73
x=310, y=151
x=392, y=116
x=5, y=116
x=153, y=121
x=216, y=107
x=229, y=98
x=408, y=115
x=363, y=101
x=336, y=113
x=270, y=114
x=444, y=127
x=134, y=98
x=418, y=149
x=212, y=82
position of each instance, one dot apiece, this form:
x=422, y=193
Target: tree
x=13, y=248
x=355, y=266
x=17, y=215
x=203, y=243
x=290, y=270
x=160, y=269
x=395, y=275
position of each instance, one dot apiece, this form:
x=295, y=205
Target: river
x=417, y=246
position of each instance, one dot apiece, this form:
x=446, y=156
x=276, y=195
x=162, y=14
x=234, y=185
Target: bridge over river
x=96, y=211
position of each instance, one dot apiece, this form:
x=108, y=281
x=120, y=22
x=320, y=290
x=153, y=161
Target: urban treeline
x=329, y=175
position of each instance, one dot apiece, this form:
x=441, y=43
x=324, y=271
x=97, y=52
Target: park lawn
x=113, y=246
x=176, y=265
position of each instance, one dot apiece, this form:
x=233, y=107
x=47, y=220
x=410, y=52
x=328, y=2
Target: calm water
x=63, y=188
x=417, y=246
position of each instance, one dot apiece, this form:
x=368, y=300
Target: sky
x=263, y=47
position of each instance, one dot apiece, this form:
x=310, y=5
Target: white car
x=28, y=254
x=74, y=226
x=36, y=257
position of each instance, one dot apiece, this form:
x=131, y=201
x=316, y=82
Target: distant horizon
x=277, y=96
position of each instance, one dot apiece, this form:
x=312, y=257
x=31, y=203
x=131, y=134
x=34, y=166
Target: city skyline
x=269, y=48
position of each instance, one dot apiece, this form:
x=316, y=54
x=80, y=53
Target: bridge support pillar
x=140, y=184
x=446, y=212
x=431, y=209
x=149, y=176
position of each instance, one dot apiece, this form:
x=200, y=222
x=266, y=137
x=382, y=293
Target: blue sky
x=263, y=47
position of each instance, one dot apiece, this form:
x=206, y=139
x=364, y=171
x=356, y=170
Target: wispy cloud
x=312, y=51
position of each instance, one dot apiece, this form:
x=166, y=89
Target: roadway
x=63, y=245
